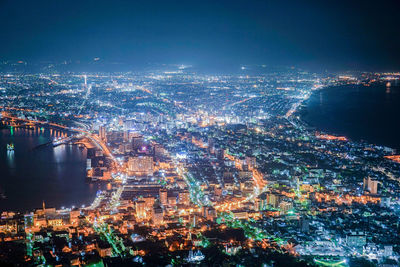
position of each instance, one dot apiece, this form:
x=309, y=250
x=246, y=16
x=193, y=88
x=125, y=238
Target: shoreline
x=302, y=110
x=10, y=195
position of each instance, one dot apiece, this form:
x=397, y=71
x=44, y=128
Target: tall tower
x=85, y=77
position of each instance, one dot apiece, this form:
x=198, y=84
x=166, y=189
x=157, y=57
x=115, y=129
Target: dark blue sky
x=344, y=34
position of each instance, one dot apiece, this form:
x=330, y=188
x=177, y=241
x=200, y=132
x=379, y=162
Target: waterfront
x=31, y=175
x=228, y=163
x=368, y=113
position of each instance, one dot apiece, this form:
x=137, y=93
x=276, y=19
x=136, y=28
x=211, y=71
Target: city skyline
x=200, y=133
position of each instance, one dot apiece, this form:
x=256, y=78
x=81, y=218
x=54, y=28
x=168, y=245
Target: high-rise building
x=371, y=185
x=251, y=162
x=356, y=239
x=149, y=200
x=102, y=133
x=163, y=196
x=257, y=204
x=140, y=207
x=140, y=166
x=137, y=143
x=88, y=164
x=184, y=197
x=274, y=199
x=126, y=136
x=285, y=206
x=209, y=212
x=157, y=215
x=172, y=200
x=211, y=143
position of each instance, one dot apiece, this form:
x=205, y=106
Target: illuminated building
x=40, y=222
x=211, y=143
x=285, y=206
x=55, y=222
x=193, y=220
x=88, y=164
x=172, y=200
x=184, y=197
x=157, y=215
x=102, y=133
x=183, y=161
x=262, y=201
x=209, y=212
x=388, y=251
x=159, y=151
x=373, y=251
x=274, y=199
x=126, y=136
x=140, y=166
x=218, y=191
x=140, y=207
x=371, y=185
x=149, y=202
x=104, y=249
x=204, y=211
x=29, y=220
x=163, y=196
x=356, y=239
x=137, y=142
x=195, y=257
x=74, y=216
x=240, y=214
x=45, y=211
x=251, y=162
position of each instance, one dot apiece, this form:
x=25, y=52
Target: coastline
x=61, y=162
x=302, y=111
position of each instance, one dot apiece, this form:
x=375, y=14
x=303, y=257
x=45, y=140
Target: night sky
x=325, y=34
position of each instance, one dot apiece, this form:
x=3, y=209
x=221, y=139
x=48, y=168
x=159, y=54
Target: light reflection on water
x=11, y=159
x=29, y=175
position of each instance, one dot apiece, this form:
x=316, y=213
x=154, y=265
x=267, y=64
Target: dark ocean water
x=29, y=176
x=368, y=113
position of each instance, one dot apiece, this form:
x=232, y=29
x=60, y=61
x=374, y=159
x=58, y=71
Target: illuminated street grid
x=195, y=165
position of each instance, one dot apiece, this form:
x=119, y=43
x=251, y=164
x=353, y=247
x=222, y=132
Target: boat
x=10, y=147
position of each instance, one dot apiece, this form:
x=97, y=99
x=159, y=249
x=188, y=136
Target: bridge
x=95, y=139
x=69, y=139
